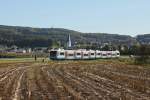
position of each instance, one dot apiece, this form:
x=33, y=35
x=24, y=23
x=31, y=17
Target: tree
x=106, y=48
x=56, y=44
x=133, y=49
x=142, y=54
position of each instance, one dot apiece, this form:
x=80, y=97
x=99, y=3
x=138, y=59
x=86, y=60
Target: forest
x=46, y=37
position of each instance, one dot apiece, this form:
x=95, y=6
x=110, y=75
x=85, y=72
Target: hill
x=144, y=39
x=43, y=37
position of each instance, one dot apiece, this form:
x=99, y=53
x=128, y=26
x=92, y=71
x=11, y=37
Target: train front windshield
x=53, y=54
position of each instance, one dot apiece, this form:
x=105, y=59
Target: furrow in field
x=64, y=90
x=11, y=71
x=18, y=88
x=83, y=88
x=135, y=84
x=114, y=88
x=33, y=91
x=6, y=75
x=43, y=88
x=10, y=86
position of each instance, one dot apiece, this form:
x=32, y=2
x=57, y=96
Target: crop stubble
x=74, y=80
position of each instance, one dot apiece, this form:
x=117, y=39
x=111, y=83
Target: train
x=82, y=54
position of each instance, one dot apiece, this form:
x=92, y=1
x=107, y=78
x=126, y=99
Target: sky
x=127, y=17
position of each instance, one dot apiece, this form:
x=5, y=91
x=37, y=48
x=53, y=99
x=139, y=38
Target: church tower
x=69, y=41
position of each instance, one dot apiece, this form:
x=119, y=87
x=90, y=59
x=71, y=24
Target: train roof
x=79, y=50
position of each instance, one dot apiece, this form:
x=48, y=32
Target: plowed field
x=74, y=80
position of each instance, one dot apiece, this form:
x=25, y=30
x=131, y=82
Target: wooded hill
x=145, y=39
x=44, y=37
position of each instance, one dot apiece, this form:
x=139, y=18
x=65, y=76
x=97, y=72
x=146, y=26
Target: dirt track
x=91, y=80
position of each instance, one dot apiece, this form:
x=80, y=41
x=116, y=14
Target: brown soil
x=74, y=80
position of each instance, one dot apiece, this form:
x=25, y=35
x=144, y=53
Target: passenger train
x=61, y=54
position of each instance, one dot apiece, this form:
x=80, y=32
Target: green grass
x=127, y=61
x=13, y=60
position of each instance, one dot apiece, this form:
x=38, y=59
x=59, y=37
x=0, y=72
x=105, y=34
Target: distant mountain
x=143, y=39
x=43, y=37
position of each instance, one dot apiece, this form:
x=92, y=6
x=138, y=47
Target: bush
x=142, y=55
x=14, y=55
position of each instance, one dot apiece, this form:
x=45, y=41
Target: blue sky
x=130, y=17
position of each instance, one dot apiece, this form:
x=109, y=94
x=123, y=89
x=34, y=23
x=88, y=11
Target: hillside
x=144, y=39
x=43, y=37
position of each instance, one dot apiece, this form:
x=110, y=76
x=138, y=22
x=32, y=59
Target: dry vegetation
x=74, y=80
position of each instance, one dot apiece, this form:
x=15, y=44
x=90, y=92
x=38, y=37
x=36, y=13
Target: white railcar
x=78, y=54
x=62, y=54
x=69, y=54
x=98, y=54
x=109, y=54
x=85, y=54
x=92, y=54
x=57, y=54
x=117, y=53
x=104, y=54
x=114, y=54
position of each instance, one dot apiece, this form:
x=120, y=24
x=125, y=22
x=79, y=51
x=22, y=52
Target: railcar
x=92, y=54
x=98, y=54
x=104, y=54
x=78, y=54
x=61, y=54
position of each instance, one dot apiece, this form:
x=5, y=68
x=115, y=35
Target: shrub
x=142, y=55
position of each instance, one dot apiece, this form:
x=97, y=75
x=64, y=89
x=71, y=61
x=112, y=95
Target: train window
x=53, y=53
x=62, y=53
x=85, y=54
x=118, y=53
x=78, y=54
x=70, y=54
x=92, y=53
x=109, y=53
x=104, y=55
x=99, y=54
